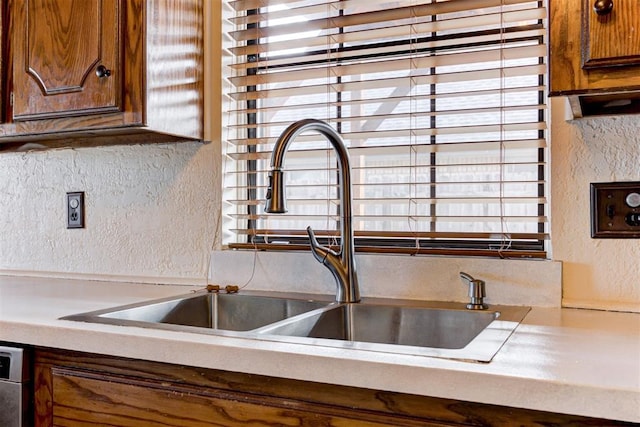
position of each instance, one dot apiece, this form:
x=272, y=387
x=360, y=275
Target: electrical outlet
x=75, y=209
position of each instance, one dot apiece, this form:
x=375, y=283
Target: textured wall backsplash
x=151, y=211
x=599, y=273
x=513, y=282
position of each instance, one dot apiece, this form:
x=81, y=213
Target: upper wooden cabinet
x=594, y=55
x=66, y=58
x=81, y=70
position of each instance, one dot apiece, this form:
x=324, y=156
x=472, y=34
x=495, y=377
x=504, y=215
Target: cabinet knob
x=603, y=7
x=102, y=71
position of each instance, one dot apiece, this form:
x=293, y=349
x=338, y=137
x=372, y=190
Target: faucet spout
x=341, y=263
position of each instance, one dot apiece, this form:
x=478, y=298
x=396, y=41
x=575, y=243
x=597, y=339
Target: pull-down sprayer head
x=276, y=202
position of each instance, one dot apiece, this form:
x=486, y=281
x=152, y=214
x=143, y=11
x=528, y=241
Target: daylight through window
x=442, y=106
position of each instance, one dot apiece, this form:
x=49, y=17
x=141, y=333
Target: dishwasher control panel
x=12, y=366
x=5, y=366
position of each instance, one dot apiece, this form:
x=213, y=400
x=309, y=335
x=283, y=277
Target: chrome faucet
x=342, y=264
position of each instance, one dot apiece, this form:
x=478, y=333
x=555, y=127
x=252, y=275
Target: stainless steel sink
x=437, y=329
x=214, y=311
x=422, y=328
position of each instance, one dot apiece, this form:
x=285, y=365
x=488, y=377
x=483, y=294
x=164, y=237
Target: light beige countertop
x=558, y=360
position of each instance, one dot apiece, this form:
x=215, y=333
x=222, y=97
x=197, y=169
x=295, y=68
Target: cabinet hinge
x=11, y=99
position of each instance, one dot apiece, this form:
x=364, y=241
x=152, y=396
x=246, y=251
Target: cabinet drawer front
x=89, y=399
x=67, y=58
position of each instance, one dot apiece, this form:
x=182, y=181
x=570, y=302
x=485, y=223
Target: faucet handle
x=476, y=292
x=319, y=252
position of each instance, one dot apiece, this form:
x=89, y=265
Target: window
x=442, y=106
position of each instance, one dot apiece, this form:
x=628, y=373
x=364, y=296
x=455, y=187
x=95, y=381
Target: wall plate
x=75, y=209
x=615, y=210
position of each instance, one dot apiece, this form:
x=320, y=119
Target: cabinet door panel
x=89, y=399
x=612, y=39
x=58, y=45
x=79, y=389
x=574, y=41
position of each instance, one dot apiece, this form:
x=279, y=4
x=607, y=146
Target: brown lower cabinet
x=79, y=389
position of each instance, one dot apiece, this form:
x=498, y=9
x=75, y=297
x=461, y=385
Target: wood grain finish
x=57, y=46
x=3, y=64
x=154, y=49
x=174, y=68
x=612, y=39
x=85, y=399
x=567, y=75
x=77, y=389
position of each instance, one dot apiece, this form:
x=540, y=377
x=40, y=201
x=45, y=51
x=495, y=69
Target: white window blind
x=442, y=106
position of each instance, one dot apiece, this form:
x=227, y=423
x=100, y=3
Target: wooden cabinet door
x=583, y=51
x=88, y=398
x=58, y=46
x=78, y=389
x=612, y=38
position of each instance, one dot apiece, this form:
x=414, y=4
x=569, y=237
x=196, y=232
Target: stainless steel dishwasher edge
x=15, y=387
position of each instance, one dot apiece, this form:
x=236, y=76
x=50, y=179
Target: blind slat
x=388, y=201
x=400, y=234
x=406, y=134
x=388, y=151
x=244, y=5
x=397, y=82
x=415, y=115
x=366, y=35
x=362, y=67
x=371, y=17
x=363, y=102
x=414, y=218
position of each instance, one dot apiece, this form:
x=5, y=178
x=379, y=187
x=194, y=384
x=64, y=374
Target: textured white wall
x=151, y=211
x=599, y=273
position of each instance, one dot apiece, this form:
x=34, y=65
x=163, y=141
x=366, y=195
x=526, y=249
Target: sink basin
x=438, y=329
x=215, y=311
x=422, y=328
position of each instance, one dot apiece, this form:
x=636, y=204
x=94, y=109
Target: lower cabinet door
x=73, y=389
x=89, y=399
